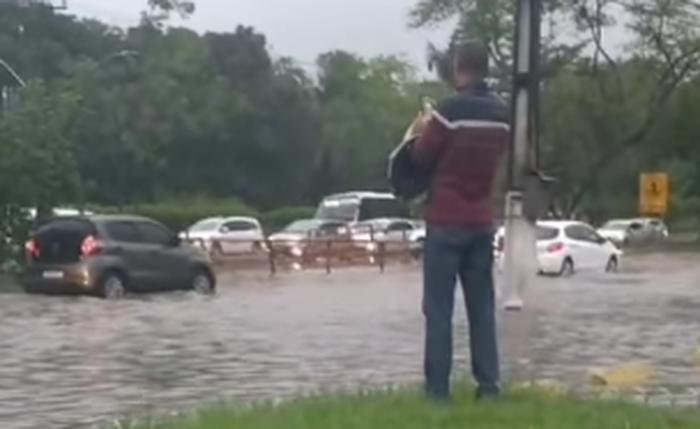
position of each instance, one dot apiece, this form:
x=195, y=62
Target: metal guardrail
x=325, y=253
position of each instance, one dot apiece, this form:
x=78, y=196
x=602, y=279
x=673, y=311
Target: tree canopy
x=153, y=112
x=117, y=116
x=606, y=108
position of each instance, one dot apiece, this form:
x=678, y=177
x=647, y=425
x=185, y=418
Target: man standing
x=462, y=143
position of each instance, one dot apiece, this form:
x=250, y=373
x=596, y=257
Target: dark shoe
x=440, y=395
x=486, y=394
x=438, y=399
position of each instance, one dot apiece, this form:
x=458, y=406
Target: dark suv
x=109, y=255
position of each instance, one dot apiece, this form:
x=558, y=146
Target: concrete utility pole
x=524, y=200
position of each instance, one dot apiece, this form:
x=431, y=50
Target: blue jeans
x=450, y=252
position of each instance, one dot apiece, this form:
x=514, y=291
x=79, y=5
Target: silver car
x=634, y=231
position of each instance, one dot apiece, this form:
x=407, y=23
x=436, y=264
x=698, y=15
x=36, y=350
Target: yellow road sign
x=653, y=193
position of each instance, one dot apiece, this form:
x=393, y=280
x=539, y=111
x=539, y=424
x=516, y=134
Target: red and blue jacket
x=463, y=145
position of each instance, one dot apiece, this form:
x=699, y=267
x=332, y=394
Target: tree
x=366, y=106
x=159, y=11
x=37, y=167
x=611, y=101
x=632, y=92
x=492, y=22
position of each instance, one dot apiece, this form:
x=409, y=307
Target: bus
x=358, y=206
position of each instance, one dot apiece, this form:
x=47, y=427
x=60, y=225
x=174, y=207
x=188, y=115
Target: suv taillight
x=32, y=248
x=90, y=246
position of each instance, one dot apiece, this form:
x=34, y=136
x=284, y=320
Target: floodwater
x=67, y=362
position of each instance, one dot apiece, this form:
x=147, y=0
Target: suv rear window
x=59, y=240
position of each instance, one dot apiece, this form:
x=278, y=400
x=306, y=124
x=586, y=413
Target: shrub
x=178, y=215
x=181, y=214
x=282, y=216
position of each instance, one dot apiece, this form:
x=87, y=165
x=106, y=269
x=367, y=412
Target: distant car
x=394, y=233
x=360, y=206
x=618, y=230
x=417, y=238
x=110, y=255
x=634, y=231
x=309, y=239
x=396, y=230
x=565, y=247
x=383, y=229
x=418, y=232
x=226, y=235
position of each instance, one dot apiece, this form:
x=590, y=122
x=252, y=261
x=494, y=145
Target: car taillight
x=32, y=248
x=555, y=247
x=90, y=246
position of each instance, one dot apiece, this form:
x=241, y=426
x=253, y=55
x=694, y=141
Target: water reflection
x=74, y=360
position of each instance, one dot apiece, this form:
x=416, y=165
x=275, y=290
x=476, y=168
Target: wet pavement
x=66, y=362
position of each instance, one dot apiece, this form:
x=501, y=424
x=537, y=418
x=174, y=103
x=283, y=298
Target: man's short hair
x=472, y=57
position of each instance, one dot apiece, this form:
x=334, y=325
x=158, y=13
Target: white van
x=360, y=206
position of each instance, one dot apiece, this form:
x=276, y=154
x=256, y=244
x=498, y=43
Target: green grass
x=408, y=409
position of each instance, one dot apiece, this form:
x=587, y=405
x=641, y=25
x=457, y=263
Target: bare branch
x=496, y=55
x=429, y=13
x=594, y=22
x=666, y=86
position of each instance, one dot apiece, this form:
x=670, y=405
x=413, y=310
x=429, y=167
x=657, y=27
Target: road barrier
x=311, y=252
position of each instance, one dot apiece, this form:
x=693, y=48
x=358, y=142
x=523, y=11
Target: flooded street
x=72, y=361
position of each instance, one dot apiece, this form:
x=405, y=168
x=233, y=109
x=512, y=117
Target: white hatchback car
x=226, y=235
x=565, y=247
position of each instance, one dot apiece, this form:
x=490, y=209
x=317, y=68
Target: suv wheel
x=203, y=282
x=111, y=286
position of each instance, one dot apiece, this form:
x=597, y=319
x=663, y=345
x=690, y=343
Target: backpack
x=406, y=179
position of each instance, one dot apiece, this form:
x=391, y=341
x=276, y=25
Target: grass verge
x=408, y=409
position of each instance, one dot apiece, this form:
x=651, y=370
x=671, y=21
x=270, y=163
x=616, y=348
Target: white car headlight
x=296, y=251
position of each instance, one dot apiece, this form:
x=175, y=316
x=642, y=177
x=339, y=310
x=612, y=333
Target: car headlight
x=296, y=251
x=371, y=247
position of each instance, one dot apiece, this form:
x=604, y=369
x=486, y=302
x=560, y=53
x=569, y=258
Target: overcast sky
x=305, y=28
x=298, y=28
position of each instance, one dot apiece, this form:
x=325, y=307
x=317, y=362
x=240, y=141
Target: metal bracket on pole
x=12, y=73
